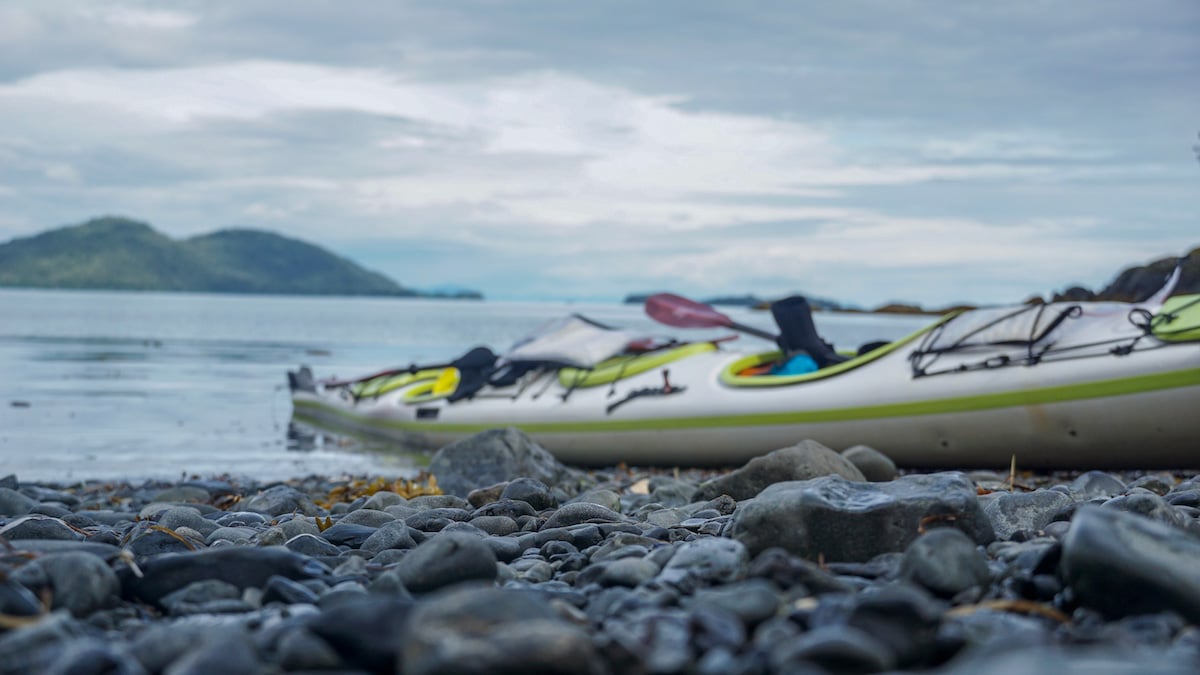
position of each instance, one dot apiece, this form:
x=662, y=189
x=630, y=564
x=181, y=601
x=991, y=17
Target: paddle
x=674, y=310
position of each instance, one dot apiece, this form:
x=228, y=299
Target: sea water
x=134, y=385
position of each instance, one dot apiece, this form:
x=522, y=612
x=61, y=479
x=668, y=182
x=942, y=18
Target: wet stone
x=752, y=600
x=803, y=461
x=240, y=519
x=182, y=516
x=280, y=499
x=946, y=562
x=39, y=527
x=581, y=512
x=533, y=492
x=78, y=582
x=1011, y=512
x=508, y=508
x=347, y=534
x=447, y=559
x=1124, y=564
x=236, y=535
x=483, y=629
x=496, y=526
x=368, y=517
x=395, y=534
x=381, y=500
x=1097, y=484
x=874, y=465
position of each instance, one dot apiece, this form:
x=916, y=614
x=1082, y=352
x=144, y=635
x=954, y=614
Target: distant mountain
x=123, y=254
x=1139, y=282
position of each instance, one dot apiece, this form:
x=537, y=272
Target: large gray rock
x=479, y=629
x=496, y=456
x=805, y=460
x=1123, y=564
x=841, y=520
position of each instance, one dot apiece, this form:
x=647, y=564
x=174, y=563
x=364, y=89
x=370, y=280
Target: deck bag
x=574, y=341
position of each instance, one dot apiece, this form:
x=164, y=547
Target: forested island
x=122, y=254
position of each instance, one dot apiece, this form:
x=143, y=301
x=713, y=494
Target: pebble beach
x=502, y=559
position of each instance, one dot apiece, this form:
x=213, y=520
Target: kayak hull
x=1135, y=410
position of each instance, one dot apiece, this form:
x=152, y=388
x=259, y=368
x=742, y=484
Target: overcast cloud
x=863, y=151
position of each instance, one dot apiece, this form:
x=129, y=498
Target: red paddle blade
x=674, y=310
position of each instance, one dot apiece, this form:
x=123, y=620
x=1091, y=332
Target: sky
x=864, y=151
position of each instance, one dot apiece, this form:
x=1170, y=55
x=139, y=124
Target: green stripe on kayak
x=1102, y=389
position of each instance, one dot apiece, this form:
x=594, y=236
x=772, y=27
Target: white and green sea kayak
x=1061, y=385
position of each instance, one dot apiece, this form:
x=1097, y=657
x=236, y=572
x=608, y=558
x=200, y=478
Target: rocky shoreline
x=801, y=561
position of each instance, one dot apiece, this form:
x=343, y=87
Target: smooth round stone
x=482, y=629
x=272, y=536
x=485, y=495
x=1123, y=564
x=45, y=494
x=395, y=534
x=183, y=516
x=946, y=562
x=226, y=650
x=1097, y=484
x=401, y=511
x=496, y=526
x=300, y=650
x=39, y=527
x=347, y=534
x=13, y=503
x=16, y=600
x=601, y=497
x=753, y=600
x=1012, y=512
x=241, y=518
x=424, y=502
x=237, y=535
x=705, y=561
x=875, y=466
x=382, y=499
x=837, y=649
x=243, y=566
x=581, y=512
x=52, y=509
x=368, y=517
x=94, y=655
x=280, y=499
x=629, y=572
x=79, y=582
x=434, y=519
x=447, y=559
x=533, y=492
x=156, y=542
x=366, y=631
x=109, y=517
x=298, y=526
x=199, y=592
x=508, y=508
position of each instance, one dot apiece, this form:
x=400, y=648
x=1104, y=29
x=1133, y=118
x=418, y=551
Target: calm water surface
x=108, y=385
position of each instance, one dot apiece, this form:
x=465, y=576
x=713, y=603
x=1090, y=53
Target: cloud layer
x=863, y=153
